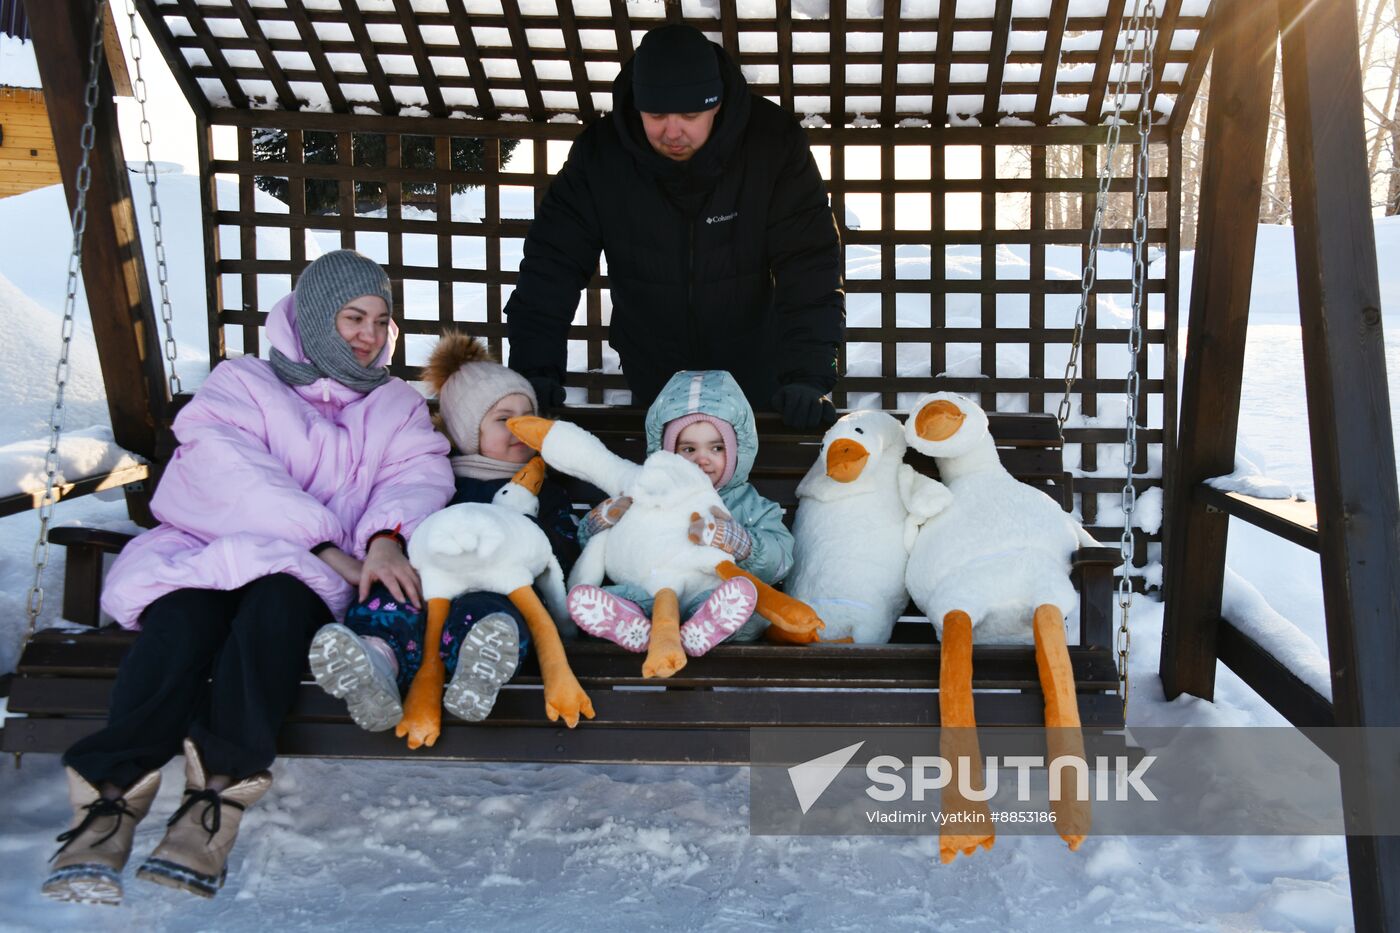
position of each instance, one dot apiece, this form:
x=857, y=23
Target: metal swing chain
x=1147, y=32
x=162, y=272
x=1127, y=544
x=34, y=603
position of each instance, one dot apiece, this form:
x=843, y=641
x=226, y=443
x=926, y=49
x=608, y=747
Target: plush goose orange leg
x=969, y=822
x=792, y=615
x=422, y=708
x=779, y=636
x=665, y=655
x=1063, y=735
x=562, y=694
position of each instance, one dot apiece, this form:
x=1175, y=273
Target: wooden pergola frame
x=256, y=73
x=1358, y=519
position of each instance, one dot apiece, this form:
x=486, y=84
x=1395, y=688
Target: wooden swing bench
x=699, y=716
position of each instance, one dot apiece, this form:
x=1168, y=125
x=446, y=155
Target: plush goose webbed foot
x=665, y=656
x=793, y=616
x=563, y=697
x=968, y=823
x=1063, y=736
x=422, y=708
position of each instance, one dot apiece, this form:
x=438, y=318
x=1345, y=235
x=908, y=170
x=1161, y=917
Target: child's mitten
x=604, y=515
x=722, y=532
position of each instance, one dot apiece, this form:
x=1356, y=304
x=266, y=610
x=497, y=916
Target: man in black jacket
x=722, y=252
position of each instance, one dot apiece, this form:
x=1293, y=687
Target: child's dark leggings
x=222, y=667
x=401, y=626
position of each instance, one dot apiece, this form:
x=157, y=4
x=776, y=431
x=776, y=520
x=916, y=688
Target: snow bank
x=1249, y=480
x=1246, y=608
x=84, y=452
x=1274, y=287
x=28, y=360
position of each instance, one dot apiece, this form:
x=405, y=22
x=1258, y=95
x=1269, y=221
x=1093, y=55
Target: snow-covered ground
x=401, y=844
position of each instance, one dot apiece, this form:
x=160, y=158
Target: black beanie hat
x=675, y=71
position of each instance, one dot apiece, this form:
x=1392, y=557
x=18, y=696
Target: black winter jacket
x=730, y=260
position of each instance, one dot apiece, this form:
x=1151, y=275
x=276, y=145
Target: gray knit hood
x=324, y=288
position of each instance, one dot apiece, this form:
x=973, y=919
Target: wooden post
x=1348, y=413
x=114, y=272
x=1237, y=125
x=209, y=208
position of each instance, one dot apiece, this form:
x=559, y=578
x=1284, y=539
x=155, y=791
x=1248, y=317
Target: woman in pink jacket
x=295, y=485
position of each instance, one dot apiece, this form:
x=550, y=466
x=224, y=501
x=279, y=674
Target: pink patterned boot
x=619, y=620
x=720, y=616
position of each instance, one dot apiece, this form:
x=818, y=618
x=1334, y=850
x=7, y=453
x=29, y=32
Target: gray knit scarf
x=325, y=287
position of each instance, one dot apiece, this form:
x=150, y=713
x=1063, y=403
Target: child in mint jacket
x=704, y=417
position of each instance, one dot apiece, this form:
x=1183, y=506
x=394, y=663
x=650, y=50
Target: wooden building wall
x=27, y=156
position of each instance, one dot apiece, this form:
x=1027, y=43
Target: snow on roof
x=518, y=55
x=17, y=65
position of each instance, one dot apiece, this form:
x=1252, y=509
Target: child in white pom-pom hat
x=484, y=635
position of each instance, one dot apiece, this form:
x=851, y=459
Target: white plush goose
x=650, y=547
x=854, y=531
x=477, y=547
x=994, y=562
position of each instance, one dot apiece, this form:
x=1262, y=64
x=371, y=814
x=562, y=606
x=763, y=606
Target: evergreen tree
x=367, y=149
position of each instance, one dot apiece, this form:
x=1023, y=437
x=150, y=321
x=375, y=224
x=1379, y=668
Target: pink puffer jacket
x=266, y=471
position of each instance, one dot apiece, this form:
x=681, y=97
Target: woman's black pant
x=222, y=667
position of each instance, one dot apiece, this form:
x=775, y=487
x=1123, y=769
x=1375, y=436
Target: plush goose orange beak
x=530, y=430
x=939, y=420
x=845, y=459
x=530, y=476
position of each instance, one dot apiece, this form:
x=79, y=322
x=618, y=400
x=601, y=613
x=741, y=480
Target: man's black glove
x=548, y=392
x=804, y=407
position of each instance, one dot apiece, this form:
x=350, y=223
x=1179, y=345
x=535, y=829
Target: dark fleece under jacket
x=730, y=260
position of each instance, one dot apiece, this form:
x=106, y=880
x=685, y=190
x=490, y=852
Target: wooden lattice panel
x=956, y=279
x=962, y=62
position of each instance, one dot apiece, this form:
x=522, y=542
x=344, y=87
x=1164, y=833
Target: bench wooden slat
x=1019, y=427
x=783, y=490
x=890, y=666
x=723, y=741
x=109, y=542
x=479, y=743
x=795, y=459
x=112, y=479
x=521, y=705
